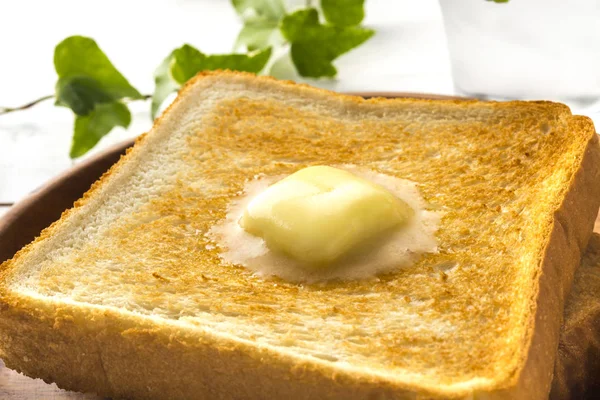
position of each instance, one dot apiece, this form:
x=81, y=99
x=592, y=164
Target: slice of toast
x=125, y=295
x=577, y=371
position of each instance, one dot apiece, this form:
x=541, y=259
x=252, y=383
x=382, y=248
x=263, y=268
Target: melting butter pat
x=319, y=214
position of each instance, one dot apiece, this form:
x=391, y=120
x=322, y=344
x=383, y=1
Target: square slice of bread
x=126, y=297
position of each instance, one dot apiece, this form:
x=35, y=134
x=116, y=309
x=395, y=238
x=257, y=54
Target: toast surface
x=518, y=184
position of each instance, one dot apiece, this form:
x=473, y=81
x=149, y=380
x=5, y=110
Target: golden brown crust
x=577, y=369
x=134, y=358
x=572, y=228
x=223, y=360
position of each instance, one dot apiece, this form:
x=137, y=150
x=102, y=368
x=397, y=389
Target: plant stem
x=7, y=110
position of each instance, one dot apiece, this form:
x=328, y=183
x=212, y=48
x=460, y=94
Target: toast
x=125, y=296
x=578, y=360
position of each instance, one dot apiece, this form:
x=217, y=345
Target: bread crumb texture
x=497, y=172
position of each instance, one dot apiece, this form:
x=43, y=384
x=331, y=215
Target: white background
x=408, y=53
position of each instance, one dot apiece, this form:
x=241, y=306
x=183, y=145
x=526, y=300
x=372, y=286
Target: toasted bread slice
x=123, y=296
x=577, y=369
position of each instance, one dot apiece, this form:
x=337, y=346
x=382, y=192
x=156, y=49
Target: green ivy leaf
x=188, y=61
x=185, y=62
x=80, y=94
x=261, y=22
x=90, y=72
x=89, y=129
x=164, y=84
x=343, y=12
x=91, y=86
x=294, y=25
x=315, y=46
x=258, y=33
x=283, y=67
x=269, y=9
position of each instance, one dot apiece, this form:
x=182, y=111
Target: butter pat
x=319, y=214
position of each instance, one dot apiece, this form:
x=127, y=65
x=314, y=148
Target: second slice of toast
x=125, y=295
x=577, y=371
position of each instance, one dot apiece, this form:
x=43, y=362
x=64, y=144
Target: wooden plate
x=26, y=219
